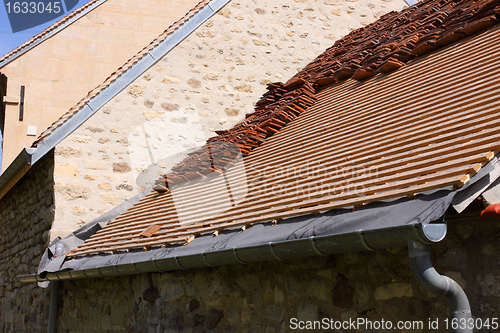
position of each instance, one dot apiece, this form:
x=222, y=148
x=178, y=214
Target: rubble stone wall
x=264, y=297
x=208, y=82
x=27, y=213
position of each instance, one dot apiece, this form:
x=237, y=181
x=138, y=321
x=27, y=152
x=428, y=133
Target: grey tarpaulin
x=421, y=209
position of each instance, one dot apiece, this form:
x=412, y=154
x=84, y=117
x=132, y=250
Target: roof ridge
x=49, y=29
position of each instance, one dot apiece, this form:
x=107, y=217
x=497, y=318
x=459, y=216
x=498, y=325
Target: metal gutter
x=52, y=33
x=436, y=283
x=110, y=91
x=23, y=158
x=360, y=240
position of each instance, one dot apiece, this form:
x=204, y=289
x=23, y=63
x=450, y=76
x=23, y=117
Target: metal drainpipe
x=54, y=300
x=54, y=296
x=425, y=273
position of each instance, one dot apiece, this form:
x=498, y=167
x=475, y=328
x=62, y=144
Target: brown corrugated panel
x=431, y=124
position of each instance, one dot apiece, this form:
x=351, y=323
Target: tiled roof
x=120, y=71
x=381, y=47
x=430, y=125
x=45, y=33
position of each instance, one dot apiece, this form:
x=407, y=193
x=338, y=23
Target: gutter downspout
x=436, y=283
x=54, y=296
x=54, y=306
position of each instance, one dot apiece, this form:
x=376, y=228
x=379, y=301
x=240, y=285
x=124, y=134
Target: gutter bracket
x=315, y=247
x=363, y=241
x=205, y=260
x=156, y=267
x=178, y=263
x=271, y=249
x=237, y=257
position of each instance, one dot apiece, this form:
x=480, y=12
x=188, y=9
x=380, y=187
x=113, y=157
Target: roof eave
x=361, y=240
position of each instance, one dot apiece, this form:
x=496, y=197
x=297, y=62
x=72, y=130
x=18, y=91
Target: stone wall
x=208, y=82
x=263, y=297
x=60, y=71
x=27, y=213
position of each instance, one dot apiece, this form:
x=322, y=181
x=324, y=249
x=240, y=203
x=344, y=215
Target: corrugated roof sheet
x=432, y=124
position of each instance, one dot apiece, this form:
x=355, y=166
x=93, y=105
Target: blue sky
x=9, y=40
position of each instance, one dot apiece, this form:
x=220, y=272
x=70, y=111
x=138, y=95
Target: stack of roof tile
x=381, y=47
x=278, y=106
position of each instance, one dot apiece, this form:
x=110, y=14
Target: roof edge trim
x=16, y=170
x=375, y=239
x=56, y=30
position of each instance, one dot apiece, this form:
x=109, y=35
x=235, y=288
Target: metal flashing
x=124, y=80
x=216, y=5
x=121, y=83
x=56, y=30
x=463, y=199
